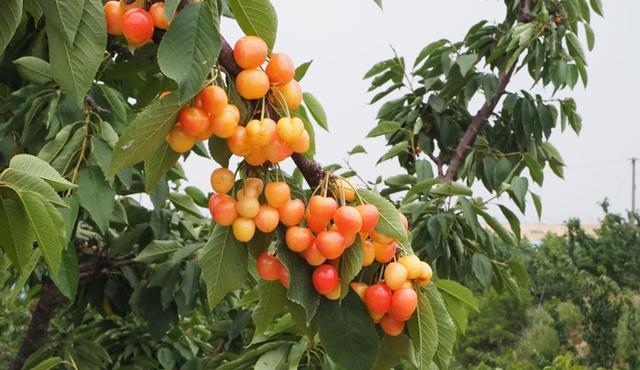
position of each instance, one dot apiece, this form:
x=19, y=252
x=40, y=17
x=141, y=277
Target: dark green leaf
x=157, y=165
x=423, y=329
x=9, y=21
x=272, y=299
x=350, y=266
x=482, y=269
x=67, y=278
x=96, y=195
x=16, y=237
x=34, y=69
x=392, y=351
x=395, y=150
x=316, y=110
x=458, y=291
x=384, y=127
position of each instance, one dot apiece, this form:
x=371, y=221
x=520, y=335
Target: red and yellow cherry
x=376, y=317
x=113, y=14
x=368, y=253
x=283, y=276
x=137, y=26
x=267, y=219
x=213, y=98
x=244, y=229
x=379, y=237
x=346, y=188
x=370, y=216
x=302, y=144
x=131, y=4
x=391, y=326
x=268, y=267
x=159, y=16
x=316, y=224
x=298, y=238
x=349, y=239
x=248, y=207
x=225, y=213
x=348, y=220
x=180, y=141
x=261, y=132
x=256, y=156
x=277, y=193
x=377, y=298
x=385, y=252
x=322, y=208
x=425, y=274
x=252, y=186
x=359, y=288
x=250, y=52
x=280, y=69
x=325, y=278
x=224, y=123
x=292, y=212
x=403, y=303
x=252, y=84
x=277, y=150
x=330, y=244
x=214, y=200
x=335, y=293
x=412, y=264
x=395, y=275
x=313, y=256
x=290, y=129
x=405, y=222
x=290, y=92
x=238, y=142
x=194, y=121
x=222, y=180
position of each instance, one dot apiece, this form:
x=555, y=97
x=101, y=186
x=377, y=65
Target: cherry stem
x=283, y=101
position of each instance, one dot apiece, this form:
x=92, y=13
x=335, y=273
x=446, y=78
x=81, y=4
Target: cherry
x=222, y=180
x=283, y=276
x=277, y=150
x=213, y=98
x=302, y=144
x=395, y=275
x=253, y=186
x=412, y=264
x=252, y=84
x=348, y=220
x=292, y=212
x=370, y=217
x=244, y=229
x=344, y=186
x=159, y=16
x=180, y=141
x=277, y=194
x=368, y=253
x=376, y=317
x=194, y=121
x=325, y=278
x=335, y=293
x=250, y=52
x=359, y=288
x=261, y=132
x=225, y=213
x=385, y=252
x=137, y=26
x=238, y=142
x=403, y=303
x=379, y=237
x=267, y=219
x=214, y=200
x=268, y=267
x=322, y=208
x=290, y=92
x=257, y=156
x=377, y=297
x=290, y=129
x=280, y=69
x=391, y=326
x=248, y=207
x=224, y=123
x=425, y=274
x=405, y=222
x=330, y=244
x=298, y=238
x=114, y=15
x=313, y=256
x=316, y=224
x=128, y=4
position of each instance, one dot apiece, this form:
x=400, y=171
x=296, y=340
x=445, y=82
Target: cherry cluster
x=134, y=21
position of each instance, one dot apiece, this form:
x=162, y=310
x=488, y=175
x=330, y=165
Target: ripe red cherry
x=292, y=212
x=403, y=303
x=325, y=278
x=377, y=297
x=283, y=276
x=330, y=244
x=391, y=326
x=194, y=121
x=312, y=255
x=316, y=224
x=348, y=220
x=298, y=238
x=322, y=208
x=250, y=52
x=280, y=69
x=113, y=14
x=268, y=267
x=405, y=222
x=385, y=252
x=137, y=26
x=370, y=216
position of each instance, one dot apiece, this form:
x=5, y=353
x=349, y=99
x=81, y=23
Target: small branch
x=525, y=14
x=439, y=163
x=477, y=124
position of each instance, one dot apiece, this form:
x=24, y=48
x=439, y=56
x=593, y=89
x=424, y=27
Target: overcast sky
x=344, y=38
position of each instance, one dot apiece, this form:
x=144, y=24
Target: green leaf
x=220, y=151
x=347, y=332
x=383, y=128
x=392, y=351
x=170, y=7
x=390, y=222
x=357, y=150
x=458, y=312
x=256, y=18
x=157, y=249
x=466, y=62
x=350, y=266
x=446, y=328
x=37, y=167
x=470, y=215
x=591, y=38
x=452, y=188
x=316, y=110
x=49, y=363
x=301, y=70
x=535, y=169
x=489, y=87
x=521, y=274
x=423, y=329
x=575, y=48
x=144, y=136
x=185, y=203
x=537, y=203
x=16, y=237
x=596, y=5
x=198, y=196
x=497, y=227
x=513, y=220
x=519, y=187
x=9, y=20
x=24, y=181
x=157, y=165
x=458, y=291
x=67, y=278
x=48, y=227
x=275, y=359
x=419, y=188
x=224, y=264
x=296, y=352
x=190, y=47
x=395, y=150
x=96, y=195
x=34, y=69
x=25, y=273
x=75, y=56
x=272, y=300
x=481, y=265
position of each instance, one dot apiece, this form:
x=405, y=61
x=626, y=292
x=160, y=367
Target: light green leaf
x=190, y=47
x=296, y=352
x=34, y=69
x=423, y=330
x=224, y=264
x=16, y=237
x=519, y=187
x=9, y=20
x=451, y=189
x=497, y=227
x=446, y=328
x=597, y=6
x=49, y=363
x=24, y=181
x=390, y=223
x=157, y=165
x=591, y=38
x=256, y=18
x=272, y=299
x=458, y=291
x=37, y=167
x=537, y=203
x=458, y=312
x=466, y=62
x=170, y=7
x=383, y=128
x=316, y=110
x=65, y=17
x=276, y=359
x=184, y=203
x=357, y=150
x=96, y=195
x=575, y=48
x=25, y=273
x=350, y=266
x=395, y=150
x=301, y=70
x=157, y=249
x=419, y=188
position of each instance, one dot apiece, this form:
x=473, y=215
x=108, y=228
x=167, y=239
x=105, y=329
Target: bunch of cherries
x=134, y=21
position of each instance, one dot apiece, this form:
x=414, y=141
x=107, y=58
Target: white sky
x=345, y=38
